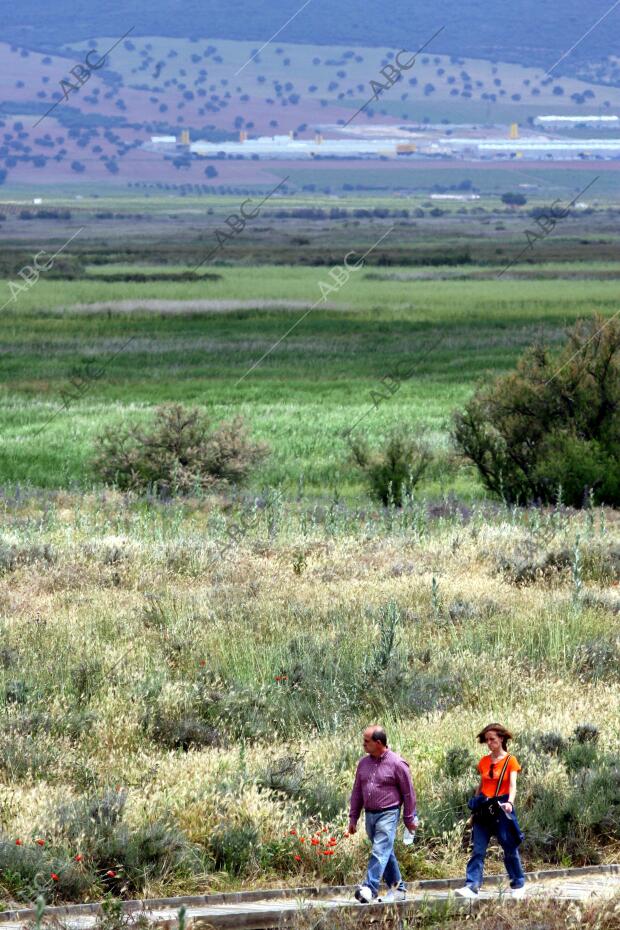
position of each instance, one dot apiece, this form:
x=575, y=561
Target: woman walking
x=494, y=812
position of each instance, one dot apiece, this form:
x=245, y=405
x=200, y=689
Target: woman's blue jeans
x=481, y=836
x=381, y=830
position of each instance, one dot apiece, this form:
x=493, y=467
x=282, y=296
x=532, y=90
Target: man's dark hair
x=380, y=736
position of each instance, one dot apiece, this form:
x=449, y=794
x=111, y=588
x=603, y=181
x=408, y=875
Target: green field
x=314, y=384
x=183, y=682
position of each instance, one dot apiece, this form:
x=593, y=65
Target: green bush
x=180, y=454
x=551, y=428
x=560, y=822
x=586, y=733
x=551, y=743
x=580, y=756
x=597, y=659
x=459, y=761
x=393, y=472
x=151, y=851
x=182, y=732
x=318, y=796
x=233, y=848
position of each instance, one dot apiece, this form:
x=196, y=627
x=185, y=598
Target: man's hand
x=411, y=825
x=352, y=828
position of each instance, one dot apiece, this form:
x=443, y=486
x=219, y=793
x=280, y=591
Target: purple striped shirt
x=380, y=783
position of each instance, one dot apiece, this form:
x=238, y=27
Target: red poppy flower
x=18, y=842
x=302, y=839
x=347, y=833
x=314, y=841
x=202, y=663
x=297, y=858
x=54, y=876
x=111, y=873
x=78, y=858
x=40, y=842
x=293, y=832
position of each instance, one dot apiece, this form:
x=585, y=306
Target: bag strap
x=501, y=774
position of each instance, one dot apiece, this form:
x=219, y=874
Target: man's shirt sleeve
x=357, y=799
x=407, y=791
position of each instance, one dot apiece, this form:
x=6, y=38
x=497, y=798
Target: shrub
x=586, y=733
x=150, y=851
x=552, y=427
x=514, y=200
x=570, y=820
x=551, y=743
x=597, y=659
x=580, y=756
x=395, y=471
x=459, y=761
x=233, y=848
x=180, y=454
x=317, y=796
x=184, y=733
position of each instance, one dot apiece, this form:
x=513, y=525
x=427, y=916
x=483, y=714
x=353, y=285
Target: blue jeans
x=381, y=830
x=481, y=836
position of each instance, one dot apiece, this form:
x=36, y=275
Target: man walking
x=382, y=784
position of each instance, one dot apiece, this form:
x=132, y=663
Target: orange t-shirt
x=489, y=785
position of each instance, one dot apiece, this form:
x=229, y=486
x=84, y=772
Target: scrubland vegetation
x=184, y=683
x=187, y=659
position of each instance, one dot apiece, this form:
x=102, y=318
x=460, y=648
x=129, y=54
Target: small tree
x=180, y=454
x=514, y=200
x=553, y=425
x=394, y=471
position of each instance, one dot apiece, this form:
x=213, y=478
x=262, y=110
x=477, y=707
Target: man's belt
x=383, y=810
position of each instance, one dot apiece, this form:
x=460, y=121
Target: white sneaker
x=517, y=892
x=393, y=895
x=466, y=892
x=363, y=894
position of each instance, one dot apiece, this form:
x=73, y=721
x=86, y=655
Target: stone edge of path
x=266, y=894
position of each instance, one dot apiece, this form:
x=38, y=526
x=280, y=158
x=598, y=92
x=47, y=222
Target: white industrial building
x=534, y=146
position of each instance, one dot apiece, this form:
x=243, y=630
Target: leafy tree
x=552, y=424
x=514, y=200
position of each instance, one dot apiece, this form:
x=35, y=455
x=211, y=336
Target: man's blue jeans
x=481, y=837
x=381, y=830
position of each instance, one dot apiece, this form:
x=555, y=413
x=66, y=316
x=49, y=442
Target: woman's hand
x=507, y=807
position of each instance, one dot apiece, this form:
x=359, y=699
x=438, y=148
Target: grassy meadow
x=184, y=682
x=324, y=376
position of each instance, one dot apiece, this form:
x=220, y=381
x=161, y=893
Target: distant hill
x=214, y=89
x=524, y=31
x=157, y=85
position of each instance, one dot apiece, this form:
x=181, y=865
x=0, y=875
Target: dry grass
x=144, y=652
x=174, y=307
